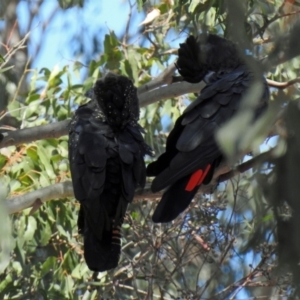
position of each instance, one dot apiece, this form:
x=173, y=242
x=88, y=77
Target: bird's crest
x=198, y=56
x=117, y=97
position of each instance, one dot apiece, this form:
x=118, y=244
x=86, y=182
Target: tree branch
x=58, y=190
x=65, y=189
x=164, y=78
x=26, y=135
x=265, y=156
x=152, y=91
x=55, y=130
x=170, y=91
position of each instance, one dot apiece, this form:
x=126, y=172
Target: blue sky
x=108, y=15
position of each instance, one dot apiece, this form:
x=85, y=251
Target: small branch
x=241, y=282
x=282, y=85
x=164, y=78
x=20, y=45
x=285, y=48
x=265, y=156
x=65, y=189
x=274, y=19
x=126, y=34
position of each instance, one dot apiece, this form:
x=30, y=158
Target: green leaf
x=4, y=283
x=45, y=234
x=125, y=226
x=15, y=109
x=31, y=152
x=17, y=267
x=44, y=157
x=112, y=52
x=140, y=4
x=50, y=264
x=44, y=179
x=134, y=215
x=14, y=185
x=62, y=231
x=30, y=229
x=33, y=109
x=3, y=160
x=32, y=98
x=2, y=70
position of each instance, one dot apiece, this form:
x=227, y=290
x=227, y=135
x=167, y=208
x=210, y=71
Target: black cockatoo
x=106, y=153
x=192, y=152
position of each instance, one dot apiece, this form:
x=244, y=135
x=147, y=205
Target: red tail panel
x=197, y=178
x=204, y=174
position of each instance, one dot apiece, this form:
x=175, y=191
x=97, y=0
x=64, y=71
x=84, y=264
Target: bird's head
x=117, y=97
x=208, y=52
x=218, y=53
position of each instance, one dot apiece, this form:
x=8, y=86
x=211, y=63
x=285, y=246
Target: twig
x=282, y=85
x=21, y=80
x=20, y=45
x=139, y=291
x=274, y=19
x=126, y=34
x=247, y=165
x=240, y=283
x=10, y=35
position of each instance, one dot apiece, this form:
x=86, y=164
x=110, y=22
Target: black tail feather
x=174, y=201
x=102, y=255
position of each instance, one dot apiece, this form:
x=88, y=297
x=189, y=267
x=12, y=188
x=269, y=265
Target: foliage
x=222, y=246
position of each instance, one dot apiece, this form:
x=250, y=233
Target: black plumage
x=106, y=150
x=192, y=152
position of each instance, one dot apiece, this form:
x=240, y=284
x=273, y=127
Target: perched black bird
x=106, y=151
x=192, y=152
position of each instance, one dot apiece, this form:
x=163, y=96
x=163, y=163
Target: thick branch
x=285, y=48
x=65, y=189
x=169, y=91
x=55, y=130
x=26, y=135
x=58, y=190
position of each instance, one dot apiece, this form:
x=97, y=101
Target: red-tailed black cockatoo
x=106, y=153
x=192, y=153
